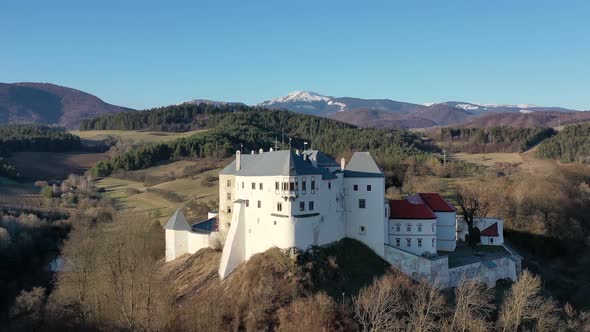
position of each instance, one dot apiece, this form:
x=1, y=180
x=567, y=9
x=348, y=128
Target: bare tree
x=472, y=307
x=425, y=308
x=473, y=202
x=379, y=306
x=525, y=306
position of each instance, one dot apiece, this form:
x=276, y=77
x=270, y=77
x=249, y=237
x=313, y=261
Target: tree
x=473, y=202
x=473, y=305
x=426, y=307
x=524, y=306
x=47, y=192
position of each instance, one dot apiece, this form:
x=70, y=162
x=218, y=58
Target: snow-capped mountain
x=390, y=113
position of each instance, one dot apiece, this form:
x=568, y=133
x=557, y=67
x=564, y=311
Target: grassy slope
x=131, y=135
x=188, y=188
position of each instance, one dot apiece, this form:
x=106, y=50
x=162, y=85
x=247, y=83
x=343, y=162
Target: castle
x=305, y=198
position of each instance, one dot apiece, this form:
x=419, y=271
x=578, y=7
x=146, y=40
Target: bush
x=47, y=192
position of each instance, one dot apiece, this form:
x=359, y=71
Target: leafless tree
x=472, y=307
x=473, y=202
x=379, y=306
x=425, y=308
x=525, y=306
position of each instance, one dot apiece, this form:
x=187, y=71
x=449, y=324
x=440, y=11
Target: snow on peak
x=524, y=106
x=299, y=96
x=468, y=107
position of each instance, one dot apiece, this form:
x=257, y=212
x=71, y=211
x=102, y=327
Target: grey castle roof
x=282, y=162
x=178, y=222
x=362, y=165
x=322, y=159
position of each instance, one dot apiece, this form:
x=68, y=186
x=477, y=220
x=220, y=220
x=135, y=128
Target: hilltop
x=50, y=104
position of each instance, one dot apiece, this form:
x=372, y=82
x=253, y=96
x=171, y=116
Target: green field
x=132, y=136
x=134, y=196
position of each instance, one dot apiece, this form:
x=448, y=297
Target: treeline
x=572, y=144
x=494, y=139
x=264, y=129
x=169, y=118
x=34, y=137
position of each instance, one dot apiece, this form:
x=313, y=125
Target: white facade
x=446, y=230
x=495, y=234
x=412, y=235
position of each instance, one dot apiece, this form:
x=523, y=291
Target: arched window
x=419, y=227
x=408, y=228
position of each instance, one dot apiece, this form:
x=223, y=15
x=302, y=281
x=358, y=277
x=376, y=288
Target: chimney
x=342, y=163
x=261, y=151
x=305, y=156
x=271, y=150
x=252, y=152
x=238, y=160
x=297, y=151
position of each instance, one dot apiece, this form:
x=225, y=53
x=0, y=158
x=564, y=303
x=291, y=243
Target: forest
x=264, y=129
x=493, y=139
x=572, y=144
x=34, y=137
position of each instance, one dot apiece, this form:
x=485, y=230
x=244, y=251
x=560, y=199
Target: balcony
x=289, y=194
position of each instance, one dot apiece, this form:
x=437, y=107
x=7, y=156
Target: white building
x=491, y=230
x=298, y=199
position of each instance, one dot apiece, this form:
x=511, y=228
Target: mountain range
x=395, y=114
x=54, y=104
x=50, y=104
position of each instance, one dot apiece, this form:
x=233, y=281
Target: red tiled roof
x=492, y=230
x=403, y=209
x=437, y=203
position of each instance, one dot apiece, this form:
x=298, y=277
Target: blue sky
x=150, y=53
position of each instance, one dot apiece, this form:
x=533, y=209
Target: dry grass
x=46, y=166
x=526, y=161
x=190, y=188
x=131, y=135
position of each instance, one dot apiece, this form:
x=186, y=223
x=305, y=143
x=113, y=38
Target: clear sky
x=143, y=54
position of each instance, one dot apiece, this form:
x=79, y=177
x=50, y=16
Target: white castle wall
x=427, y=233
x=437, y=272
x=234, y=250
x=446, y=231
x=372, y=218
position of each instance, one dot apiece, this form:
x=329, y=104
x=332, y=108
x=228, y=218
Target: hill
x=49, y=104
x=572, y=144
x=387, y=113
x=528, y=120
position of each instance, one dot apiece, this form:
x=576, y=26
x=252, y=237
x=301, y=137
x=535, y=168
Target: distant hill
x=212, y=102
x=386, y=113
x=528, y=120
x=49, y=104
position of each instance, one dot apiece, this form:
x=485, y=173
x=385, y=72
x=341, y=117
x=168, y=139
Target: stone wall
x=436, y=270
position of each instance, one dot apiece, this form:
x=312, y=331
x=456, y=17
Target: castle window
x=228, y=196
x=260, y=186
x=247, y=203
x=419, y=243
x=301, y=206
x=433, y=243
x=296, y=185
x=242, y=184
x=279, y=207
x=419, y=227
x=285, y=186
x=275, y=222
x=408, y=242
x=310, y=205
x=491, y=240
x=408, y=227
x=228, y=209
x=313, y=184
x=355, y=187
x=229, y=183
x=397, y=242
x=276, y=186
x=368, y=187
x=291, y=186
x=362, y=230
x=329, y=185
x=398, y=227
x=362, y=203
x=254, y=185
x=433, y=227
x=259, y=204
x=303, y=185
